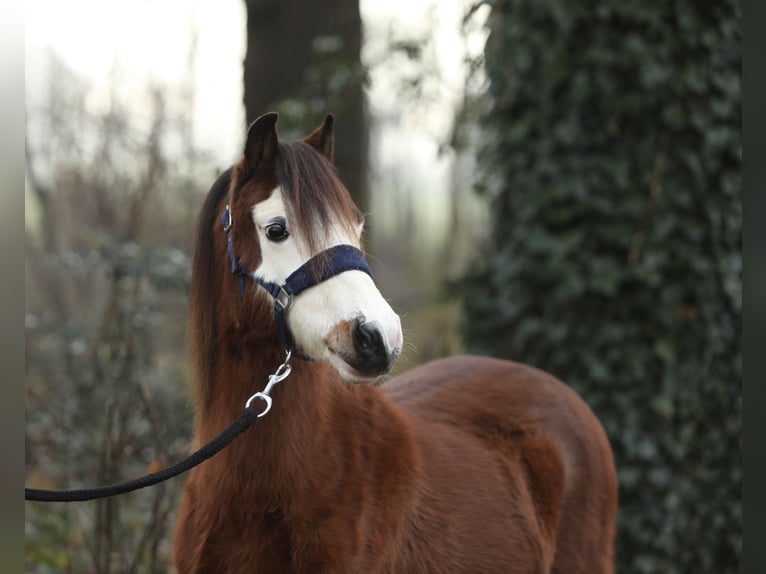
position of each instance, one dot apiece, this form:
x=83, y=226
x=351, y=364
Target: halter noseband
x=339, y=259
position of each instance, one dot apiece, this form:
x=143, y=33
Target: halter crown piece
x=340, y=258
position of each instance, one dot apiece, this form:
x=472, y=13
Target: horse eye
x=277, y=231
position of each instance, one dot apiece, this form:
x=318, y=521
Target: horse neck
x=278, y=449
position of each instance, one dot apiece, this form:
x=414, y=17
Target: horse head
x=289, y=215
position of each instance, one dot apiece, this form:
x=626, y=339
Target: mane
x=314, y=195
x=202, y=315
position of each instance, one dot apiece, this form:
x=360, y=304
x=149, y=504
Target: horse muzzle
x=366, y=349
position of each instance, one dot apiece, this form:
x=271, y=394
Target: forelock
x=314, y=196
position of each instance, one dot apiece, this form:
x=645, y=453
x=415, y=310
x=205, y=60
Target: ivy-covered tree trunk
x=613, y=167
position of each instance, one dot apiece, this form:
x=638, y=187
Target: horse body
x=463, y=465
x=533, y=453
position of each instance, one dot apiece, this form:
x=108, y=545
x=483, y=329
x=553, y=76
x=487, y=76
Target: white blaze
x=347, y=296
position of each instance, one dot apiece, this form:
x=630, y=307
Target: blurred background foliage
x=612, y=163
x=108, y=259
x=603, y=245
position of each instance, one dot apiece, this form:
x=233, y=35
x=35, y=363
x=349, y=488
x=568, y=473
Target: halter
x=340, y=258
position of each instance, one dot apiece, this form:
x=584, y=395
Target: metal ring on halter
x=228, y=222
x=283, y=299
x=260, y=395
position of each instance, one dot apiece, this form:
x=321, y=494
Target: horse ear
x=261, y=141
x=323, y=138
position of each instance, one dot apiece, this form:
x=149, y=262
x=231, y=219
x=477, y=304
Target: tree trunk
x=282, y=61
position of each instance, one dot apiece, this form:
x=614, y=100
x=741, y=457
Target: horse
x=463, y=465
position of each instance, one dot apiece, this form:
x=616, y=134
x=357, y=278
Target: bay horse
x=463, y=465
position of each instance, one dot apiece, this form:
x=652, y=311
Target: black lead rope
x=245, y=420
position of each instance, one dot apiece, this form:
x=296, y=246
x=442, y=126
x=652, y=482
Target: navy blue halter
x=335, y=260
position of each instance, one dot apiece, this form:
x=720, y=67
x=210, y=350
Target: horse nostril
x=362, y=337
x=371, y=354
x=365, y=338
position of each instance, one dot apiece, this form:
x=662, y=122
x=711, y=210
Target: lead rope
x=245, y=420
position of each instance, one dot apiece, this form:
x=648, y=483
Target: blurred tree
x=107, y=273
x=303, y=60
x=612, y=164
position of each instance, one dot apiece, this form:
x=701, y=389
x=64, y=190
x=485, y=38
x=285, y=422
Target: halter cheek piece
x=339, y=259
